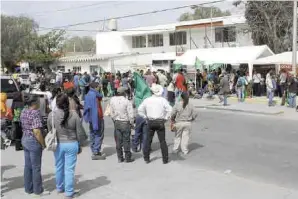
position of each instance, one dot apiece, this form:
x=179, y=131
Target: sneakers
x=128, y=160
x=44, y=193
x=98, y=156
x=76, y=194
x=120, y=160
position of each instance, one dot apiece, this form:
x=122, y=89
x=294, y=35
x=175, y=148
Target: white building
x=159, y=45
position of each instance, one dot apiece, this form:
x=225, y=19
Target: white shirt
x=121, y=109
x=257, y=78
x=53, y=105
x=155, y=107
x=32, y=77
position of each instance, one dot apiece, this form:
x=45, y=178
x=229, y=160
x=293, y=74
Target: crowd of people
x=68, y=101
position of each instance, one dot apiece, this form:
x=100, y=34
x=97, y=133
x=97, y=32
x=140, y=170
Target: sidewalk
x=245, y=107
x=111, y=180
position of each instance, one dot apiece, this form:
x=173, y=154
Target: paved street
x=233, y=155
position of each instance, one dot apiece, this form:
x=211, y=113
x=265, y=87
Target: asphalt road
x=258, y=148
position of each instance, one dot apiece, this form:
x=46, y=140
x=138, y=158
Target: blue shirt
x=76, y=80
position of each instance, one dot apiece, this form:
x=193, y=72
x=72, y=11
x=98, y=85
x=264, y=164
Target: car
x=9, y=86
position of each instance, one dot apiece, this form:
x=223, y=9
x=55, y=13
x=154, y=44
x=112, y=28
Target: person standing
x=150, y=79
x=224, y=89
x=93, y=115
x=70, y=136
x=292, y=88
x=283, y=85
x=182, y=115
x=156, y=110
x=123, y=118
x=270, y=88
x=17, y=108
x=180, y=83
x=241, y=87
x=256, y=84
x=76, y=79
x=33, y=144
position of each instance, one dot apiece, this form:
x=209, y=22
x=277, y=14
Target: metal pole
x=294, y=55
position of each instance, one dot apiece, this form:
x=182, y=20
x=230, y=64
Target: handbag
x=51, y=138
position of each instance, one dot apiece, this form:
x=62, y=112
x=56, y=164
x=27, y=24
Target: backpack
x=239, y=82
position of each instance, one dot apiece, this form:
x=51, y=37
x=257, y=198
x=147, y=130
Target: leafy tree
x=79, y=44
x=47, y=48
x=16, y=36
x=270, y=23
x=203, y=13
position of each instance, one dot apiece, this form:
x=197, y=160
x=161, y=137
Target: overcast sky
x=59, y=13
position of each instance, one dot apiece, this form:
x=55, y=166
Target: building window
x=139, y=42
x=77, y=68
x=227, y=34
x=155, y=40
x=177, y=38
x=61, y=68
x=94, y=68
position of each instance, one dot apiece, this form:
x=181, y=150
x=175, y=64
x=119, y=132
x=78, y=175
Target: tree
x=270, y=23
x=47, y=48
x=203, y=13
x=79, y=44
x=16, y=36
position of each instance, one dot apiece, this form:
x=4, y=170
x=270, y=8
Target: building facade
x=158, y=46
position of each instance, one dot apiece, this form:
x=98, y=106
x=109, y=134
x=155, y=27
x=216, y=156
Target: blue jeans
x=270, y=97
x=292, y=100
x=140, y=132
x=96, y=137
x=224, y=98
x=32, y=170
x=65, y=163
x=240, y=92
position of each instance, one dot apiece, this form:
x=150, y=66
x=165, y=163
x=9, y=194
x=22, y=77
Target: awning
x=282, y=58
x=233, y=55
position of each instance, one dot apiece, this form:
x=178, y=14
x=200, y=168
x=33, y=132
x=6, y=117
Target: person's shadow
x=82, y=186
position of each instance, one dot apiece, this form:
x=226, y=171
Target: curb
x=238, y=110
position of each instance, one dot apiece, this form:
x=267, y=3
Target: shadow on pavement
x=89, y=185
x=4, y=168
x=18, y=183
x=109, y=151
x=194, y=146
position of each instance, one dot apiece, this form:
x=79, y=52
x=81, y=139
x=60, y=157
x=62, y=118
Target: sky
x=51, y=14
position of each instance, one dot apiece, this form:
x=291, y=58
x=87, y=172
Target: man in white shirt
x=156, y=110
x=32, y=77
x=256, y=84
x=123, y=116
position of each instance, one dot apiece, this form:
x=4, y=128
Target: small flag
x=142, y=90
x=177, y=67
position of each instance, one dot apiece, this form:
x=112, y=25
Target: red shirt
x=100, y=111
x=180, y=82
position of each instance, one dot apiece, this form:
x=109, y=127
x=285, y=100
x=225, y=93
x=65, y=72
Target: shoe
x=120, y=160
x=135, y=150
x=128, y=160
x=98, y=156
x=44, y=193
x=76, y=194
x=165, y=161
x=147, y=161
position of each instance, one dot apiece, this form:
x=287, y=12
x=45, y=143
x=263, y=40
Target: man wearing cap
x=156, y=110
x=123, y=116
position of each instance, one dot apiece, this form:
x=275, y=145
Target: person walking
x=123, y=118
x=224, y=89
x=293, y=89
x=70, y=136
x=93, y=115
x=182, y=115
x=241, y=87
x=156, y=110
x=33, y=144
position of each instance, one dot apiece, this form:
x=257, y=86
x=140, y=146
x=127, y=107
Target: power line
x=132, y=15
x=70, y=8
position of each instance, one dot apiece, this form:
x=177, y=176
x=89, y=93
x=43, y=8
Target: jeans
x=159, y=127
x=122, y=139
x=32, y=170
x=96, y=137
x=240, y=92
x=292, y=100
x=65, y=163
x=224, y=98
x=140, y=132
x=270, y=97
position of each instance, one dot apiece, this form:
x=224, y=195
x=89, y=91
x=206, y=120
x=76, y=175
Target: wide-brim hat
x=157, y=89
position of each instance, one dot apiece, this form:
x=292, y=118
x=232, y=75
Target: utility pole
x=294, y=55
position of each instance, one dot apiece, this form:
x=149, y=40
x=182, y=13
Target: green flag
x=142, y=90
x=177, y=67
x=199, y=64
